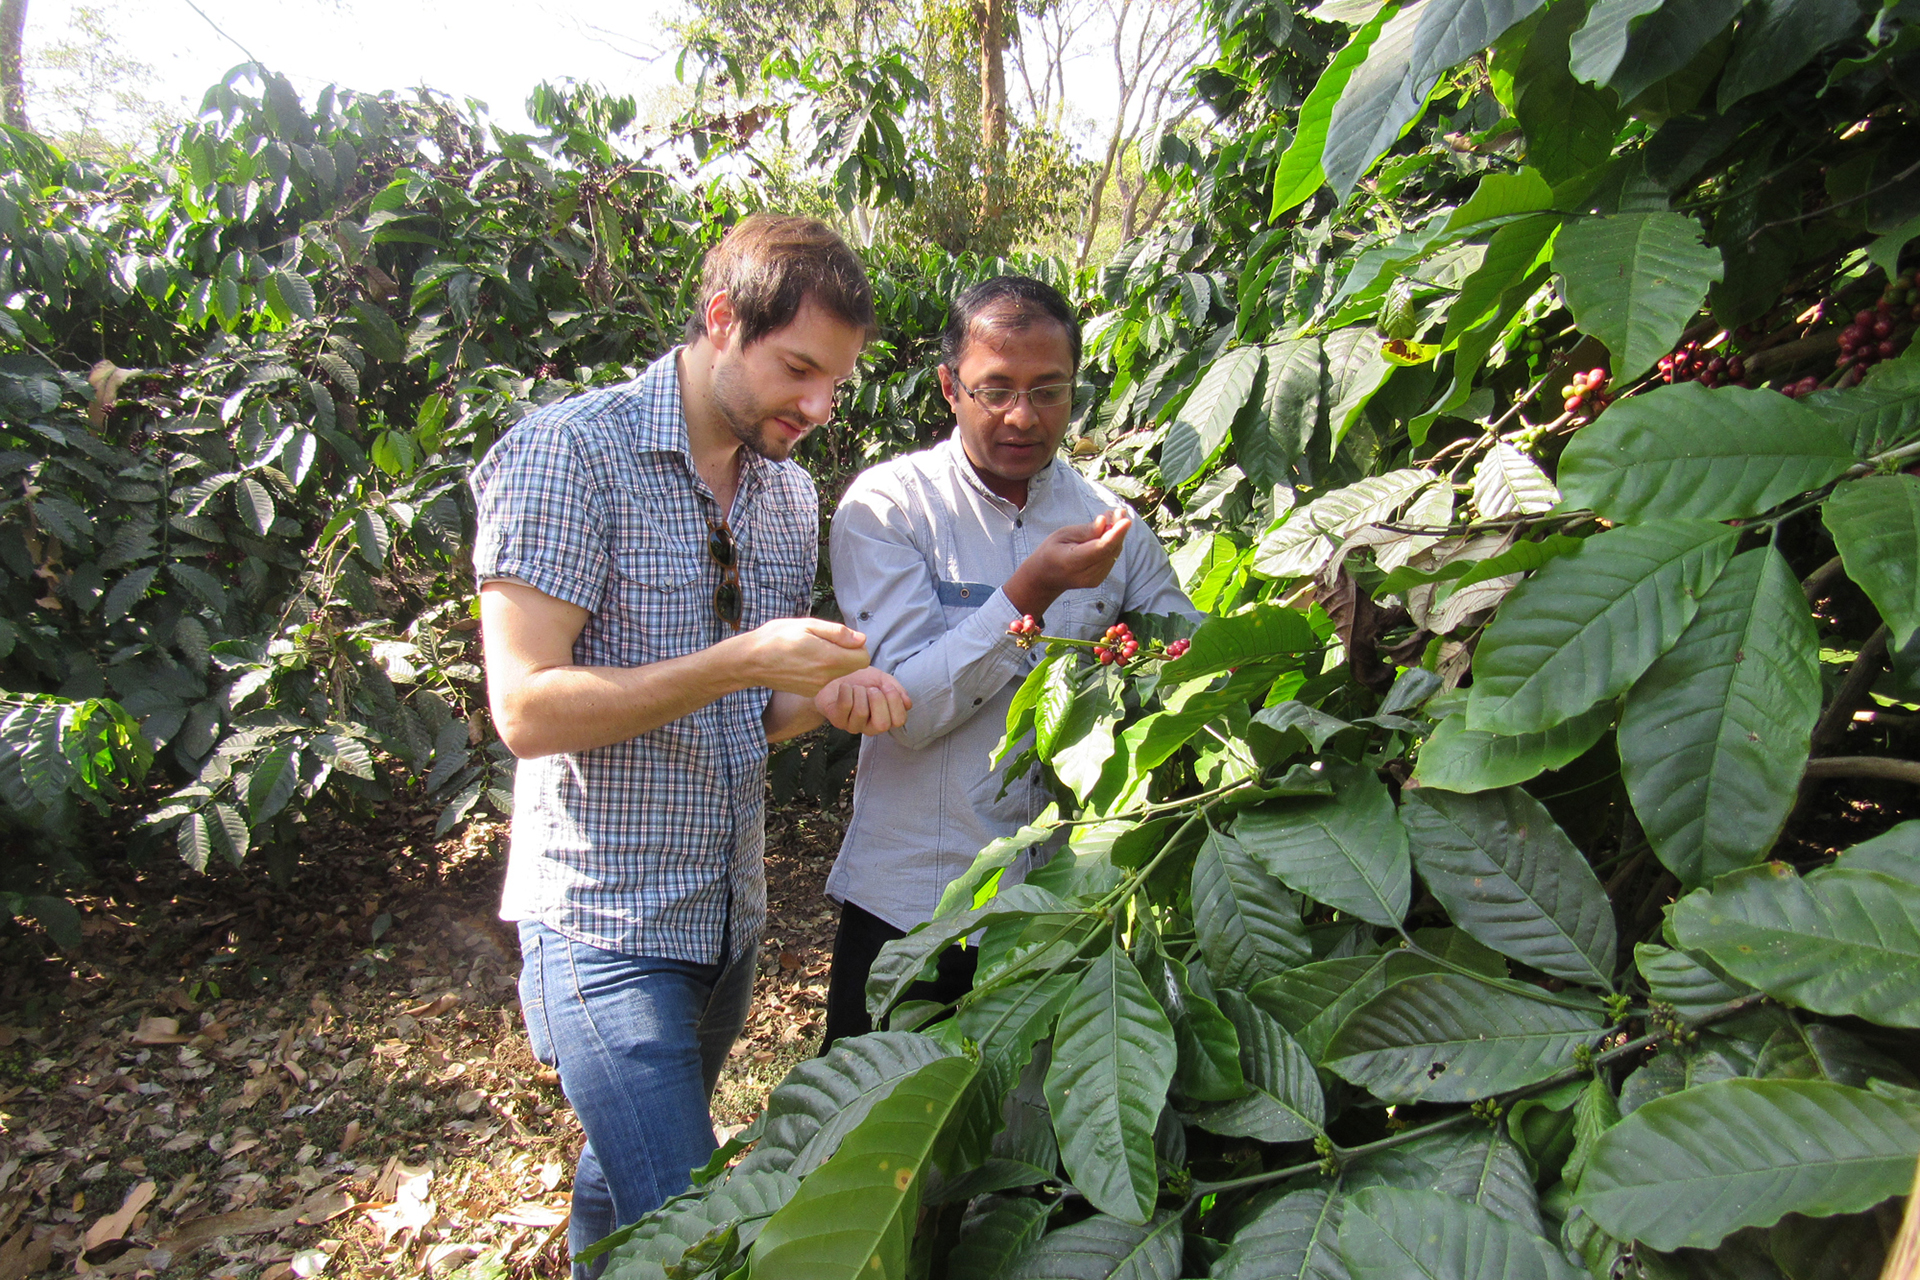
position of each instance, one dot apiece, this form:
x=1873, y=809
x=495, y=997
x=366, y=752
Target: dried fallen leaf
x=410, y=1208
x=531, y=1213
x=154, y=1030
x=349, y=1136
x=114, y=1225
x=435, y=1007
x=323, y=1205
x=550, y=1174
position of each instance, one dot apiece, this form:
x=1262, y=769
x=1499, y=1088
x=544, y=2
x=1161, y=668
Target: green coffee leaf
x=1300, y=173
x=1686, y=452
x=1283, y=1102
x=1713, y=739
x=1478, y=1164
x=1248, y=924
x=822, y=1099
x=1347, y=851
x=1456, y=758
x=1204, y=422
x=1684, y=980
x=1511, y=879
x=1635, y=280
x=1588, y=624
x=1390, y=1234
x=852, y=1216
x=1694, y=1167
x=1208, y=1067
x=1840, y=942
x=1109, y=1247
x=1876, y=527
x=1295, y=1236
x=1263, y=633
x=901, y=961
x=1113, y=1057
x=1445, y=1037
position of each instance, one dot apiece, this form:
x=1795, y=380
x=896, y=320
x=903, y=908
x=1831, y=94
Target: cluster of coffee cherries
x=1117, y=645
x=1178, y=647
x=1804, y=386
x=1869, y=339
x=1586, y=395
x=1693, y=363
x=1024, y=630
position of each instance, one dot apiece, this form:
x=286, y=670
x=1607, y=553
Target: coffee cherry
x=1573, y=402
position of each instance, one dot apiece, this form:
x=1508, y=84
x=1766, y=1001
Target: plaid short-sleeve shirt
x=650, y=846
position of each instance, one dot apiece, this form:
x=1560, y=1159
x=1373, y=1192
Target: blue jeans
x=639, y=1042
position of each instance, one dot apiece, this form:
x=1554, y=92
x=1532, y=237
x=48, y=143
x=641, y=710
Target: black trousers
x=855, y=947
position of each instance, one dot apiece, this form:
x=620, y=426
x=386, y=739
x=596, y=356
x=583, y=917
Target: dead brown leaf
x=434, y=1007
x=114, y=1225
x=23, y=1255
x=156, y=1030
x=105, y=378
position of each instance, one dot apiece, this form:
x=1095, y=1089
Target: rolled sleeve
x=886, y=589
x=539, y=519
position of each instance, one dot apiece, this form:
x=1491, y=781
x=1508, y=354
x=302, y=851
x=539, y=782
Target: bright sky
x=494, y=50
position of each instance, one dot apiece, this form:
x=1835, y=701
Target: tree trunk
x=13, y=81
x=993, y=107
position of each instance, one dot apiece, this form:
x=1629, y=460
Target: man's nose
x=817, y=404
x=1023, y=415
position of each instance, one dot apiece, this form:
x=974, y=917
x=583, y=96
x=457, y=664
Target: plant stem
x=1346, y=1155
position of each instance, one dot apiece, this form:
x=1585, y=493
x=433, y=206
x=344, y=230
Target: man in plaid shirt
x=646, y=558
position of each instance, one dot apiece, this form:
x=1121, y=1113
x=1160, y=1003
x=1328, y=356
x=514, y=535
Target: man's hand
x=797, y=655
x=867, y=701
x=1070, y=559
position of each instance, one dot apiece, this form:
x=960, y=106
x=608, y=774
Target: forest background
x=1516, y=874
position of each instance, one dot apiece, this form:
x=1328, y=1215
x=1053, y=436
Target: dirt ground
x=232, y=1078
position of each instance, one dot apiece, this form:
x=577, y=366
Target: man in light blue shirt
x=934, y=554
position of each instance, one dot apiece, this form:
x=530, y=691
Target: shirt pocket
x=1085, y=615
x=663, y=600
x=778, y=583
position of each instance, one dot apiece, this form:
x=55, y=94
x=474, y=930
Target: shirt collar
x=1038, y=484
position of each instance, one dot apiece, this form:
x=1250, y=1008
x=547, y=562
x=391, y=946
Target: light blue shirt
x=920, y=550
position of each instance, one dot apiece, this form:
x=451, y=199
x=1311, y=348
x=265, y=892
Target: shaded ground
x=236, y=1079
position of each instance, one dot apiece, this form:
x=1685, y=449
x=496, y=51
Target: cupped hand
x=867, y=701
x=1075, y=557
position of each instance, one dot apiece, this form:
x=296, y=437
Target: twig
x=1859, y=678
x=1816, y=584
x=1894, y=181
x=223, y=35
x=1865, y=767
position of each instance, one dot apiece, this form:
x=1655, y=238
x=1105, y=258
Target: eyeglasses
x=1001, y=399
x=726, y=596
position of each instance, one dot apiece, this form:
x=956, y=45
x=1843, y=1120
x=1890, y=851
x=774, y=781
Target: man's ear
x=949, y=388
x=722, y=322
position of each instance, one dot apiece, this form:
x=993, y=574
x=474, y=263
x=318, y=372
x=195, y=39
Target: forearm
x=788, y=715
x=574, y=708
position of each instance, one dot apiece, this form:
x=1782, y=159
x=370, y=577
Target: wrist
x=1029, y=595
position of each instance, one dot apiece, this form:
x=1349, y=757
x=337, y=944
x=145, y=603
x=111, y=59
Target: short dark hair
x=770, y=264
x=1017, y=302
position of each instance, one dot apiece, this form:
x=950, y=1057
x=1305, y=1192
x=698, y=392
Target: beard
x=746, y=416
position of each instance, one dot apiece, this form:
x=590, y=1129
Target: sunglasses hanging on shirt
x=726, y=596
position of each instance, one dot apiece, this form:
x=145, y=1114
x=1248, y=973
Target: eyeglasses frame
x=973, y=393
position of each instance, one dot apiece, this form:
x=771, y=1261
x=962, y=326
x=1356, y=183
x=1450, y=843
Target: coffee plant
x=1516, y=873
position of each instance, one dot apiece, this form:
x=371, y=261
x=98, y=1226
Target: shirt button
x=1099, y=606
x=1019, y=524
x=976, y=702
